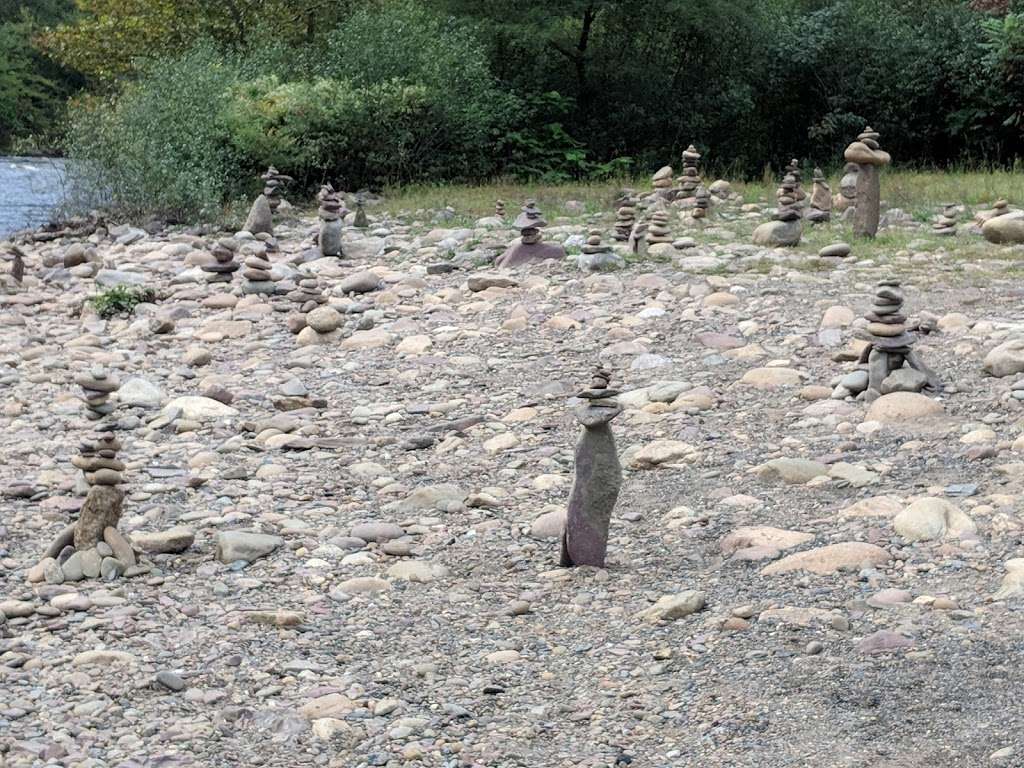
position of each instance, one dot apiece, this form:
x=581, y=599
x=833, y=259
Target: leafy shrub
x=120, y=300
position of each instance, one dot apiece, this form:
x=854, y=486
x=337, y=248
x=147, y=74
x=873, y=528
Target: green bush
x=120, y=300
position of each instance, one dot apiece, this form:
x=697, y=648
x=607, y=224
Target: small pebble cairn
x=658, y=230
x=786, y=196
x=499, y=209
x=690, y=181
x=97, y=458
x=307, y=294
x=793, y=169
x=594, y=244
x=273, y=187
x=945, y=224
x=625, y=218
x=702, y=202
x=529, y=222
x=360, y=221
x=97, y=385
x=331, y=212
x=258, y=278
x=224, y=266
x=662, y=182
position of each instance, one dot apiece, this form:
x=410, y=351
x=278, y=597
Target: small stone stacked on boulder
x=870, y=158
x=892, y=365
x=662, y=182
x=97, y=386
x=945, y=224
x=499, y=209
x=321, y=327
x=258, y=277
x=625, y=218
x=702, y=202
x=529, y=248
x=1002, y=225
x=787, y=227
x=821, y=199
x=597, y=257
x=847, y=197
x=261, y=215
x=690, y=180
x=224, y=265
x=332, y=213
x=658, y=230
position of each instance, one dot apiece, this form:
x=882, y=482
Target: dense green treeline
x=180, y=102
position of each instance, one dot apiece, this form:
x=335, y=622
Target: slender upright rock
x=598, y=477
x=869, y=158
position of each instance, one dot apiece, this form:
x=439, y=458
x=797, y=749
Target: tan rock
x=848, y=555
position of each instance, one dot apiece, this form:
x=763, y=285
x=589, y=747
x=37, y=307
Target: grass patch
x=120, y=300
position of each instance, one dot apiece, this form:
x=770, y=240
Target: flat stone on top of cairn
x=529, y=247
x=690, y=179
x=865, y=152
x=331, y=214
x=598, y=476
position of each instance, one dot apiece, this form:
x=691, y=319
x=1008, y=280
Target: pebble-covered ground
x=793, y=580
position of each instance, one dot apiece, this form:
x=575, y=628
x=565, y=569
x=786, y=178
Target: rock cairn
x=662, y=182
x=261, y=215
x=224, y=265
x=598, y=476
x=821, y=198
x=690, y=180
x=847, y=197
x=258, y=277
x=332, y=214
x=793, y=169
x=360, y=221
x=499, y=209
x=529, y=247
x=625, y=218
x=865, y=152
x=786, y=226
x=945, y=223
x=702, y=202
x=892, y=364
x=97, y=386
x=596, y=256
x=307, y=294
x=658, y=230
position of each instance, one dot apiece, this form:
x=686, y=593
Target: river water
x=31, y=188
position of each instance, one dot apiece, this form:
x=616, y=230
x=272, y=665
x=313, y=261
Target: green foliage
x=120, y=300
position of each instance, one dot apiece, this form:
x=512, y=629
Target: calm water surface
x=30, y=189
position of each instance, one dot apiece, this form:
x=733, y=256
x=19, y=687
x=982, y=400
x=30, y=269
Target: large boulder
x=1007, y=359
x=929, y=518
x=1008, y=228
x=903, y=407
x=779, y=234
x=243, y=545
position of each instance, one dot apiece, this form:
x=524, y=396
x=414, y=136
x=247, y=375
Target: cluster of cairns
x=786, y=226
x=889, y=363
x=625, y=218
x=690, y=180
x=870, y=158
x=847, y=197
x=261, y=215
x=97, y=385
x=530, y=246
x=821, y=199
x=945, y=224
x=332, y=214
x=224, y=265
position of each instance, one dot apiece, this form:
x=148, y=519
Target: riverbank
x=31, y=191
x=410, y=461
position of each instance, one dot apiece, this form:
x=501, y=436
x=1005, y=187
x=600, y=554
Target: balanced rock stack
x=690, y=180
x=307, y=294
x=625, y=218
x=658, y=229
x=865, y=152
x=662, y=182
x=332, y=213
x=787, y=226
x=97, y=458
x=321, y=326
x=793, y=169
x=821, y=199
x=847, y=197
x=224, y=265
x=891, y=363
x=499, y=209
x=97, y=386
x=1002, y=225
x=597, y=257
x=360, y=221
x=261, y=215
x=598, y=476
x=529, y=247
x=259, y=279
x=702, y=202
x=945, y=224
